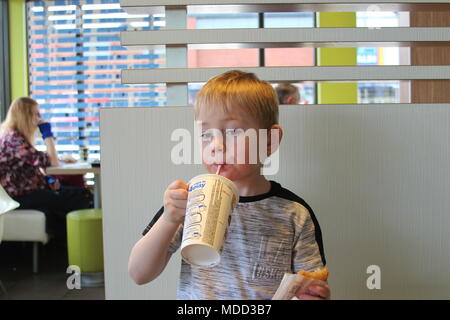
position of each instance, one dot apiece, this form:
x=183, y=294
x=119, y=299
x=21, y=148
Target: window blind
x=75, y=60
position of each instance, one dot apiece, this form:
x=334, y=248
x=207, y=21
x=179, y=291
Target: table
x=81, y=168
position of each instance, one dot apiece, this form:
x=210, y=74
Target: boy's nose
x=218, y=145
x=218, y=148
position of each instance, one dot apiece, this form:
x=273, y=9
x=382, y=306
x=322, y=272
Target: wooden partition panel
x=376, y=176
x=437, y=91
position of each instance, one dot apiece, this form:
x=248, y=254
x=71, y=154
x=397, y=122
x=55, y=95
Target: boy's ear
x=274, y=136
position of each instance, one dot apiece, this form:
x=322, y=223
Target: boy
x=272, y=231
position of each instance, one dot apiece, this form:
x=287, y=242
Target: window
x=368, y=91
x=75, y=60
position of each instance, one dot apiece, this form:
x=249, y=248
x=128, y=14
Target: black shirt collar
x=274, y=189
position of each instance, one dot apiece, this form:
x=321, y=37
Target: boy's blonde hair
x=237, y=90
x=20, y=118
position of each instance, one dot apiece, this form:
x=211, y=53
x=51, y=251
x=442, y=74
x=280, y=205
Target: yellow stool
x=85, y=245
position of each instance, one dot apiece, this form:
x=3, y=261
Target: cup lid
x=201, y=255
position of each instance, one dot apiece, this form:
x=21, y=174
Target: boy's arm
x=308, y=254
x=151, y=253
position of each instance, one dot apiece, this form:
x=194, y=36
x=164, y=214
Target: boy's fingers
x=320, y=291
x=178, y=194
x=178, y=184
x=305, y=296
x=178, y=204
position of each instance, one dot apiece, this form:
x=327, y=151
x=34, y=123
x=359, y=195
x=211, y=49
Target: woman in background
x=22, y=167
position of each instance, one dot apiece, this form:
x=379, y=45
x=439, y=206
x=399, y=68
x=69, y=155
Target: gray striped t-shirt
x=269, y=234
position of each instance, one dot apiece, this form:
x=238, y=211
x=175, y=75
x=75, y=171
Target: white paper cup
x=211, y=199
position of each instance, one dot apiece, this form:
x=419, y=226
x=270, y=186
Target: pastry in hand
x=318, y=274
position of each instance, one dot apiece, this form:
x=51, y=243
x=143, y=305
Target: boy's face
x=232, y=141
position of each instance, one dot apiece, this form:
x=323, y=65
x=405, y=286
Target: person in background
x=272, y=230
x=288, y=94
x=22, y=168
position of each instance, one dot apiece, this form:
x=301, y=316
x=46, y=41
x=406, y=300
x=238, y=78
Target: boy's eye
x=206, y=135
x=233, y=132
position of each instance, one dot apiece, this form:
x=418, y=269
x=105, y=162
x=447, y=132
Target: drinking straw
x=218, y=169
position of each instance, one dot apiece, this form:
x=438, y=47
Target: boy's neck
x=253, y=186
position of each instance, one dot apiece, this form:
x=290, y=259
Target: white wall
x=377, y=177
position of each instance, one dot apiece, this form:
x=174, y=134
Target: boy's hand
x=175, y=201
x=316, y=292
